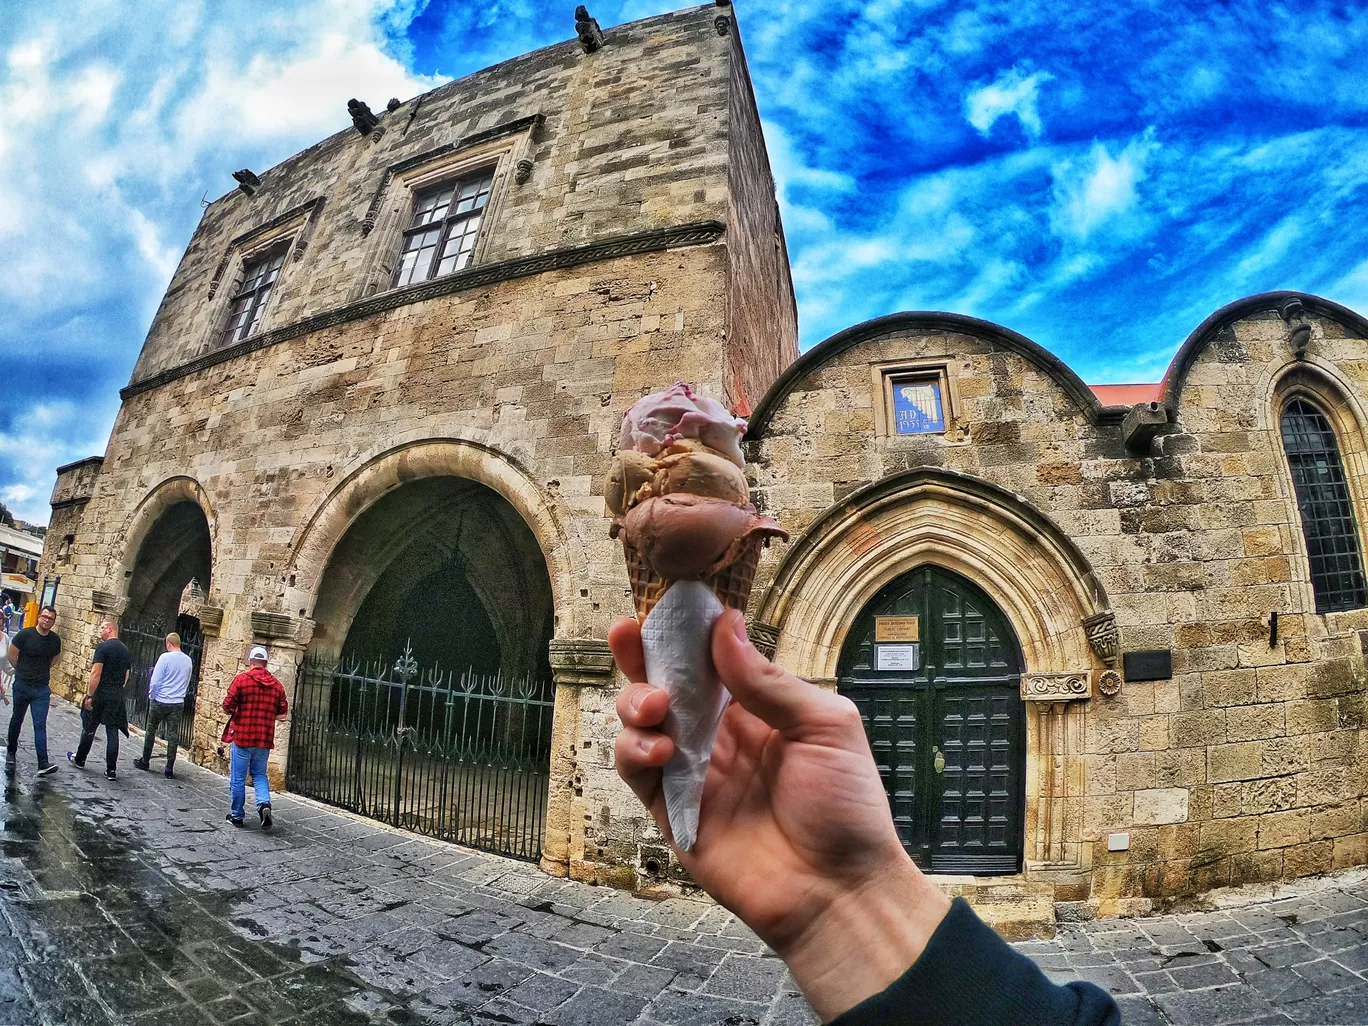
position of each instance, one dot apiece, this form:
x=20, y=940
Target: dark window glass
x=1327, y=510
x=446, y=221
x=258, y=278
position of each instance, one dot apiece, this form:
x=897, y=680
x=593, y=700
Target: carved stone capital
x=523, y=171
x=586, y=662
x=1056, y=687
x=764, y=636
x=211, y=620
x=268, y=626
x=108, y=602
x=1102, y=635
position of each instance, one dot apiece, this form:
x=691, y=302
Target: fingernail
x=645, y=744
x=739, y=627
x=638, y=696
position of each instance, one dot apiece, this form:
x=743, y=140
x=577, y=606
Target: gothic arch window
x=1326, y=507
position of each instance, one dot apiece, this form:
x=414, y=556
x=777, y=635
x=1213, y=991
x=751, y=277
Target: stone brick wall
x=762, y=313
x=634, y=136
x=1249, y=764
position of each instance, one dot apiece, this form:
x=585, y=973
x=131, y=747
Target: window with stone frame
x=442, y=233
x=249, y=302
x=1326, y=507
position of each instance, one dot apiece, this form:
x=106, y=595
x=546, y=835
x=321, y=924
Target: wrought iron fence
x=459, y=755
x=146, y=641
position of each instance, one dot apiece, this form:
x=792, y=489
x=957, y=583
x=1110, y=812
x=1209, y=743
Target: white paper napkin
x=676, y=640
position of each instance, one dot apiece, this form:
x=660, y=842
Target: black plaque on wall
x=1156, y=664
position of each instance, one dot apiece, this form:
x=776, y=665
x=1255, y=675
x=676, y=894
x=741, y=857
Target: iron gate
x=461, y=756
x=146, y=641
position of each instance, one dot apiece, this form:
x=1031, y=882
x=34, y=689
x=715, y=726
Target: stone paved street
x=134, y=902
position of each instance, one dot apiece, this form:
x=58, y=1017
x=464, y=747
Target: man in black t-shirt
x=104, y=701
x=32, y=652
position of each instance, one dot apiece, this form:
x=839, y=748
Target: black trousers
x=158, y=714
x=89, y=724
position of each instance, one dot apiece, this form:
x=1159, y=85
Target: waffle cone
x=731, y=584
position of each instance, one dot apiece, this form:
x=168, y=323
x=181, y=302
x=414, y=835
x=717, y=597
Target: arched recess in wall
x=169, y=540
x=407, y=513
x=1325, y=387
x=1018, y=556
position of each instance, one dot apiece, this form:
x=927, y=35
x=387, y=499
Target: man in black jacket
x=796, y=838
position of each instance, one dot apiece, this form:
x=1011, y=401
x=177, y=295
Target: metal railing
x=460, y=755
x=146, y=641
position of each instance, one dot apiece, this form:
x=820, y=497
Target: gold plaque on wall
x=897, y=628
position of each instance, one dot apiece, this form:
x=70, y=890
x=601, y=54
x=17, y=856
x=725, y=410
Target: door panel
x=949, y=739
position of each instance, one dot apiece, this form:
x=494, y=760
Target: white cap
x=257, y=655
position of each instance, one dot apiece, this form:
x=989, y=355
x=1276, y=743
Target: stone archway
x=169, y=542
x=1033, y=572
x=457, y=458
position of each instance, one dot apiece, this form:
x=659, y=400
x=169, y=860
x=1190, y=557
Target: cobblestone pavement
x=134, y=902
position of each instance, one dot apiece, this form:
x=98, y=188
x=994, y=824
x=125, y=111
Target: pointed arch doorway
x=935, y=669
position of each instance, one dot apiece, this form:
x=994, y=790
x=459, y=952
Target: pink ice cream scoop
x=659, y=420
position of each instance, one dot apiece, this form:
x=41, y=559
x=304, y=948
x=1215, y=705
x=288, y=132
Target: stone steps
x=1013, y=906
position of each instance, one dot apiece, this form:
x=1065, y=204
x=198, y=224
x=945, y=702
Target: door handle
x=938, y=761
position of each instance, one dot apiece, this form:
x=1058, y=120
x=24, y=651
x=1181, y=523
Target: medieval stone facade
x=1132, y=722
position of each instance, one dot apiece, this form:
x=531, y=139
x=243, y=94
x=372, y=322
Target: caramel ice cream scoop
x=701, y=473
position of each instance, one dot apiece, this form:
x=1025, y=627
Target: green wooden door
x=944, y=718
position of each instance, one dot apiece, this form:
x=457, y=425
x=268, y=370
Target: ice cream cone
x=731, y=584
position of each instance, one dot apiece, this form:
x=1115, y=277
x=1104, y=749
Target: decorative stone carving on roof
x=1292, y=311
x=590, y=35
x=247, y=180
x=363, y=120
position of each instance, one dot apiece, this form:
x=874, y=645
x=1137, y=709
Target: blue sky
x=1099, y=177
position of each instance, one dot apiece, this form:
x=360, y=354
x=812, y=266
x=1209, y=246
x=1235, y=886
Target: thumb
x=785, y=702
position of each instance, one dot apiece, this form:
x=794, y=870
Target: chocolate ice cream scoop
x=686, y=537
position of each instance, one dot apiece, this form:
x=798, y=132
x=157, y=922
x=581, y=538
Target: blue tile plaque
x=917, y=407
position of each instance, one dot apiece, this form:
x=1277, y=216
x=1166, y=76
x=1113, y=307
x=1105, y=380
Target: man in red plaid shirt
x=255, y=701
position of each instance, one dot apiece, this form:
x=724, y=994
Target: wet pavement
x=132, y=901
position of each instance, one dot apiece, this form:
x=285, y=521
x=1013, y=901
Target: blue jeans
x=27, y=697
x=244, y=759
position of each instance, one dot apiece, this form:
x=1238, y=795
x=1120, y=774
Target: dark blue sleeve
x=969, y=976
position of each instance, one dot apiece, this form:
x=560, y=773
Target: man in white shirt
x=165, y=699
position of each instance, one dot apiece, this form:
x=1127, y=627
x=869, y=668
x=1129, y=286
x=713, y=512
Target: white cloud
x=1098, y=190
x=1011, y=93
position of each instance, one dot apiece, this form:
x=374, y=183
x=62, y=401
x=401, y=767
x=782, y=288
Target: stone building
x=1108, y=641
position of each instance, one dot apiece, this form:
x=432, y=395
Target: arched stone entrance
x=448, y=565
x=1035, y=576
x=426, y=697
x=169, y=543
x=935, y=669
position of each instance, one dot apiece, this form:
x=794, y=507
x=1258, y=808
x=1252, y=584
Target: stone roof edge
x=850, y=337
x=698, y=233
x=1171, y=388
x=343, y=133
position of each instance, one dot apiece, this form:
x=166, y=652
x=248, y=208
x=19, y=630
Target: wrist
x=866, y=938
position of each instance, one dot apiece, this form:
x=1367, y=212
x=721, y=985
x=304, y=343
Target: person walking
x=255, y=701
x=165, y=699
x=105, y=702
x=6, y=611
x=32, y=653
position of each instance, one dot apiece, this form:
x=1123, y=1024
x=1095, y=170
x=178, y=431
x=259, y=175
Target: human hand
x=795, y=834
x=89, y=702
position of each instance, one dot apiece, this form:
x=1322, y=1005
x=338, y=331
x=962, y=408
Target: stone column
x=577, y=665
x=285, y=638
x=1056, y=702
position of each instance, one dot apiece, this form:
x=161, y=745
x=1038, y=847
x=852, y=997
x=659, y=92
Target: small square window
x=917, y=407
